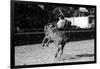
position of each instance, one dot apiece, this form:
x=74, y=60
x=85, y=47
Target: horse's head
x=48, y=28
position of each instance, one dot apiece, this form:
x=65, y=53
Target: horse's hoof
x=55, y=56
x=42, y=45
x=46, y=45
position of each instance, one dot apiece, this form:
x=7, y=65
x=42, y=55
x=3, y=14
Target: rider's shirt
x=61, y=23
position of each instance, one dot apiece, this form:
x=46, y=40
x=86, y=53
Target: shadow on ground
x=74, y=57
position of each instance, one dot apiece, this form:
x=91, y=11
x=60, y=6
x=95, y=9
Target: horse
x=47, y=38
x=59, y=37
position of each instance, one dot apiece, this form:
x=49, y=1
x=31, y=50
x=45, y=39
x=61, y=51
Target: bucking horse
x=60, y=38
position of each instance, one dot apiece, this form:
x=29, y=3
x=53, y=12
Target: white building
x=82, y=22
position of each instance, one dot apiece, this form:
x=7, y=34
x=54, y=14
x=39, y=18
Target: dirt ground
x=77, y=51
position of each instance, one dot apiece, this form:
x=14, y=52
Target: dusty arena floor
x=77, y=51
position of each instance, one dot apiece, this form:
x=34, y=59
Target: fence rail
x=60, y=31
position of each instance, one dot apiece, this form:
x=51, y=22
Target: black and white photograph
x=51, y=34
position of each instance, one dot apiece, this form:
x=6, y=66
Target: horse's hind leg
x=57, y=52
x=62, y=48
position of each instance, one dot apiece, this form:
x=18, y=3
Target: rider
x=61, y=23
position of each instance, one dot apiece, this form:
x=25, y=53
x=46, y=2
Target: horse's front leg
x=57, y=52
x=48, y=42
x=43, y=42
x=62, y=48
